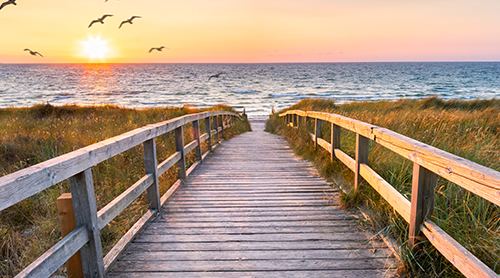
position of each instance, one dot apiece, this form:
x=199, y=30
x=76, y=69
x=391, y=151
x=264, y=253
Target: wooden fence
x=427, y=163
x=77, y=167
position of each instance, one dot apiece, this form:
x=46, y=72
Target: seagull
x=128, y=20
x=215, y=75
x=158, y=48
x=101, y=20
x=13, y=2
x=34, y=53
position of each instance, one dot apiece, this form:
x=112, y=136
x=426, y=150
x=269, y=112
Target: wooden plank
x=362, y=151
x=341, y=254
x=126, y=239
x=29, y=181
x=249, y=265
x=391, y=195
x=315, y=223
x=341, y=228
x=475, y=178
x=251, y=218
x=254, y=237
x=115, y=207
x=422, y=201
x=169, y=162
x=196, y=136
x=179, y=146
x=56, y=256
x=317, y=131
x=335, y=139
x=84, y=205
x=351, y=273
x=243, y=246
x=67, y=225
x=460, y=257
x=191, y=146
x=151, y=168
x=208, y=132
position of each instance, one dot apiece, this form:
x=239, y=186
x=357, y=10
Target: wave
x=245, y=92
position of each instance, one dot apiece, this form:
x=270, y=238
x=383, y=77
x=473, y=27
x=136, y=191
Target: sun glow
x=95, y=48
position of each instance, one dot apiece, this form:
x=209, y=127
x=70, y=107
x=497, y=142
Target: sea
x=256, y=87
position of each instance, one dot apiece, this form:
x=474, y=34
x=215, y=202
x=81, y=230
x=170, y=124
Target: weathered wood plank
x=85, y=208
x=391, y=195
x=460, y=257
x=115, y=207
x=169, y=162
x=249, y=265
x=56, y=256
x=351, y=273
x=126, y=239
x=348, y=226
x=151, y=167
x=340, y=254
x=265, y=245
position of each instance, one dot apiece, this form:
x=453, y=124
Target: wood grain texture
x=240, y=212
x=460, y=257
x=56, y=256
x=22, y=184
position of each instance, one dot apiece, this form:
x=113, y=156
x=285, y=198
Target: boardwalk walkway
x=254, y=210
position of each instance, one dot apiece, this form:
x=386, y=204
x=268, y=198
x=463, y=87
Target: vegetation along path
x=254, y=209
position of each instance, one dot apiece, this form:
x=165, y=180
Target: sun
x=95, y=48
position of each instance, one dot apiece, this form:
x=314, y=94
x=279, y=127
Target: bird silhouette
x=128, y=20
x=101, y=20
x=13, y=2
x=158, y=48
x=34, y=53
x=215, y=75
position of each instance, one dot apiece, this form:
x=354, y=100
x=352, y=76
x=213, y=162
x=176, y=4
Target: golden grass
x=31, y=135
x=470, y=129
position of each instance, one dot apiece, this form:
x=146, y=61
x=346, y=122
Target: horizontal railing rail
x=77, y=167
x=428, y=162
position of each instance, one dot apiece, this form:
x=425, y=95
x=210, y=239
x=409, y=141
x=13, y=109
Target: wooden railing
x=427, y=163
x=77, y=167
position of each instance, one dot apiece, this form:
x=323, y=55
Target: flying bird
x=128, y=20
x=215, y=75
x=13, y=2
x=101, y=20
x=158, y=48
x=34, y=53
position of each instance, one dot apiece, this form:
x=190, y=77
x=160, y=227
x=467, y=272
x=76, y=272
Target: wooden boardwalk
x=254, y=210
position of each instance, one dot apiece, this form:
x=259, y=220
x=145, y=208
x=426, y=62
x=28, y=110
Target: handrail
x=428, y=162
x=76, y=166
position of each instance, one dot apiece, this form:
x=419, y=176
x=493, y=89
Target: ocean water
x=257, y=87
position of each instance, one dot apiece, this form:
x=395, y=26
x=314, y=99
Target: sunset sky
x=248, y=31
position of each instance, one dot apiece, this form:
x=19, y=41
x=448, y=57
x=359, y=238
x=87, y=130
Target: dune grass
x=31, y=135
x=470, y=129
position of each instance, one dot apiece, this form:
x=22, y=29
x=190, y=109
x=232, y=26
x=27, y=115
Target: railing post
x=361, y=157
x=422, y=202
x=317, y=131
x=151, y=166
x=67, y=221
x=221, y=124
x=294, y=120
x=299, y=119
x=216, y=127
x=335, y=139
x=179, y=146
x=208, y=130
x=196, y=136
x=84, y=205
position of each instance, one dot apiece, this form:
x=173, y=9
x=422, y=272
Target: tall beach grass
x=31, y=135
x=470, y=129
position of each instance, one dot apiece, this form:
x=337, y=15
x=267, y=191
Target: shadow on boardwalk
x=254, y=210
